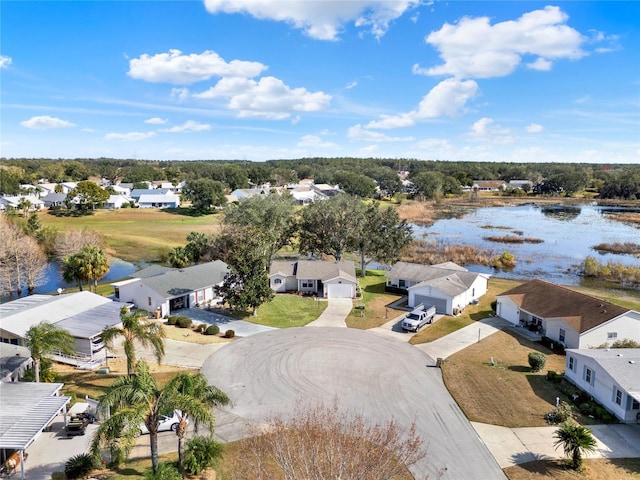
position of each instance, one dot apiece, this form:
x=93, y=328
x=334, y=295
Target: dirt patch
x=505, y=393
x=595, y=469
x=191, y=336
x=118, y=366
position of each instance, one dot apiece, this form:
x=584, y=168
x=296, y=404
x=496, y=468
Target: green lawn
x=288, y=311
x=375, y=301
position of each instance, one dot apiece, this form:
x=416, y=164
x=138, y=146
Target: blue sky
x=245, y=79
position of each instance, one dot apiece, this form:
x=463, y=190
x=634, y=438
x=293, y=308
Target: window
x=277, y=281
x=402, y=283
x=536, y=320
x=635, y=404
x=307, y=284
x=612, y=335
x=618, y=396
x=562, y=334
x=572, y=364
x=588, y=375
x=149, y=300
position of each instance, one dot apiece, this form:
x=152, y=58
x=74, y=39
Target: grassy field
x=139, y=234
x=507, y=393
x=375, y=300
x=594, y=469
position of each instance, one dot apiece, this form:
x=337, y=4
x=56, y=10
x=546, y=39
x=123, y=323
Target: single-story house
x=172, y=289
x=117, y=201
x=27, y=408
x=326, y=190
x=10, y=202
x=14, y=361
x=489, y=185
x=306, y=195
x=136, y=193
x=521, y=184
x=54, y=199
x=326, y=279
x=447, y=286
x=167, y=200
x=571, y=318
x=84, y=315
x=243, y=193
x=609, y=376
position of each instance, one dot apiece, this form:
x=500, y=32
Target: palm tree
x=94, y=263
x=575, y=440
x=45, y=339
x=135, y=327
x=202, y=398
x=137, y=399
x=24, y=204
x=72, y=270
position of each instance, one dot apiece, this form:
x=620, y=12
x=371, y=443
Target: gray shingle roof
x=623, y=364
x=181, y=281
x=316, y=269
x=447, y=277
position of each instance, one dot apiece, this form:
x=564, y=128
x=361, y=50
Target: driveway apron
x=335, y=313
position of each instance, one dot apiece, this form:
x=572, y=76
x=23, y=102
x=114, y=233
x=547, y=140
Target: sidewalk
x=513, y=446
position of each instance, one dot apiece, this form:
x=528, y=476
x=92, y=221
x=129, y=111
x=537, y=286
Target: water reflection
x=561, y=212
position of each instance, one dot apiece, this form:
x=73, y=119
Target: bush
x=212, y=330
x=537, y=361
x=494, y=306
x=200, y=453
x=546, y=341
x=560, y=414
x=166, y=471
x=554, y=377
x=201, y=327
x=79, y=466
x=229, y=334
x=172, y=319
x=183, y=322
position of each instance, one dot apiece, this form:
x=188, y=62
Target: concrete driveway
x=335, y=313
x=270, y=373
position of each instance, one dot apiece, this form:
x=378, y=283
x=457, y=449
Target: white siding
x=507, y=309
x=625, y=326
x=138, y=294
x=552, y=330
x=279, y=283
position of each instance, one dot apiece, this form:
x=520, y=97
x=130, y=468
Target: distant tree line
x=356, y=176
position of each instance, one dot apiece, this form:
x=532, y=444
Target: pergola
x=25, y=410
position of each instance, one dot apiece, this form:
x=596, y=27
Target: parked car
x=418, y=318
x=77, y=425
x=166, y=423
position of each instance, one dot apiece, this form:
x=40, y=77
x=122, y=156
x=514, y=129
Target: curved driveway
x=270, y=373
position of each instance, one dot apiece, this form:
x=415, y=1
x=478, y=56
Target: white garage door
x=339, y=290
x=439, y=303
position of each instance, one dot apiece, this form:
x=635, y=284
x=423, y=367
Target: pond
x=568, y=235
x=53, y=276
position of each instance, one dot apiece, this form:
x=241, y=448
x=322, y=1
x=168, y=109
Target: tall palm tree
x=137, y=399
x=135, y=327
x=94, y=263
x=72, y=270
x=202, y=398
x=575, y=440
x=45, y=339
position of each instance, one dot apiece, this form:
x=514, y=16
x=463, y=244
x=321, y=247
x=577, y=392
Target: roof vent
x=620, y=355
x=632, y=361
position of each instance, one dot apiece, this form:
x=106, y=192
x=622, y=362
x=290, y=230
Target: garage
x=440, y=303
x=339, y=290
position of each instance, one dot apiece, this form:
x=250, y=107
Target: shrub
x=229, y=334
x=553, y=377
x=79, y=466
x=172, y=319
x=200, y=452
x=166, y=471
x=494, y=306
x=537, y=361
x=212, y=330
x=183, y=322
x=560, y=414
x=546, y=341
x=201, y=327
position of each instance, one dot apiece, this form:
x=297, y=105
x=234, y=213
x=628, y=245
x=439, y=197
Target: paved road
x=270, y=373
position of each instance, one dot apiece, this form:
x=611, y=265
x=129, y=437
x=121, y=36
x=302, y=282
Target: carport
x=27, y=408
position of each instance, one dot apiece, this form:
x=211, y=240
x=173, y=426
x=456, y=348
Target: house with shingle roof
x=447, y=286
x=326, y=279
x=165, y=290
x=574, y=319
x=610, y=376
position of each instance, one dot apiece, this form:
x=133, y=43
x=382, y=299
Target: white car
x=166, y=423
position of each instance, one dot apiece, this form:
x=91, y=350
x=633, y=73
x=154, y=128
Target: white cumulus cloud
x=267, y=98
x=188, y=126
x=534, y=128
x=473, y=48
x=486, y=126
x=5, y=61
x=45, y=122
x=178, y=69
x=314, y=141
x=321, y=20
x=156, y=121
x=130, y=137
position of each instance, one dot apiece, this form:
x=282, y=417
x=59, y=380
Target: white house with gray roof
x=447, y=286
x=84, y=315
x=610, y=376
x=171, y=289
x=326, y=279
